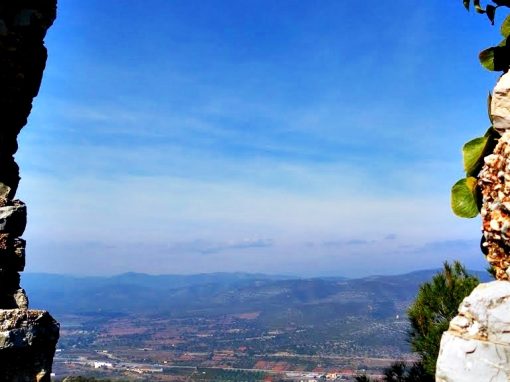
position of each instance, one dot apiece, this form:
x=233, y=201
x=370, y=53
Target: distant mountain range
x=221, y=293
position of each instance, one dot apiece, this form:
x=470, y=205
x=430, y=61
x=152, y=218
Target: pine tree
x=362, y=378
x=397, y=372
x=435, y=305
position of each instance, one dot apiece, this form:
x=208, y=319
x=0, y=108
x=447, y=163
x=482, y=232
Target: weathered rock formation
x=27, y=343
x=27, y=338
x=494, y=183
x=476, y=347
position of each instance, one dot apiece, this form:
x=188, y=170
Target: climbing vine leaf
x=464, y=199
x=505, y=27
x=489, y=107
x=473, y=153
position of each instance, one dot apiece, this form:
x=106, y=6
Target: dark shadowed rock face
x=23, y=26
x=27, y=343
x=27, y=337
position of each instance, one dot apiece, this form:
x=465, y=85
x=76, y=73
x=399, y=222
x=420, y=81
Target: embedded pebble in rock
x=494, y=183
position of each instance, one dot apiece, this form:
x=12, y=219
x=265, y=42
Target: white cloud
x=85, y=219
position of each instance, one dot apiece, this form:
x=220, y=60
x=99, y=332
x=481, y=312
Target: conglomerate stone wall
x=476, y=347
x=27, y=337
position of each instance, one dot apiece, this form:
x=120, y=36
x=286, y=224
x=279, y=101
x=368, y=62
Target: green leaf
x=478, y=8
x=496, y=58
x=464, y=198
x=492, y=134
x=489, y=107
x=491, y=13
x=473, y=153
x=466, y=4
x=505, y=27
x=487, y=58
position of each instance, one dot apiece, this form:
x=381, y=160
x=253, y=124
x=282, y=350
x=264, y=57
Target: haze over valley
x=234, y=321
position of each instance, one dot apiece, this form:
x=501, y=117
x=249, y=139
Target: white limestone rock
x=476, y=347
x=500, y=105
x=469, y=360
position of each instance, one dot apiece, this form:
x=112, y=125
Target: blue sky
x=297, y=137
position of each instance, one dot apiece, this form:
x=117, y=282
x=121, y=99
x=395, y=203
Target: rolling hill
x=219, y=293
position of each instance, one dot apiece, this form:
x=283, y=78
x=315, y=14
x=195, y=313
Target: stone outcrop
x=494, y=185
x=500, y=105
x=27, y=344
x=476, y=347
x=27, y=337
x=494, y=181
x=23, y=25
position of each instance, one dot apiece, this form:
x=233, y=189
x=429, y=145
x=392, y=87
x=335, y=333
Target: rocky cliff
x=27, y=338
x=476, y=347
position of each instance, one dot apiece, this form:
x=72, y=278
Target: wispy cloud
x=238, y=245
x=198, y=147
x=352, y=242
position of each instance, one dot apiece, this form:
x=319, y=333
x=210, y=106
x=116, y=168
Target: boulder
x=13, y=219
x=500, y=104
x=12, y=253
x=5, y=192
x=476, y=347
x=27, y=344
x=21, y=299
